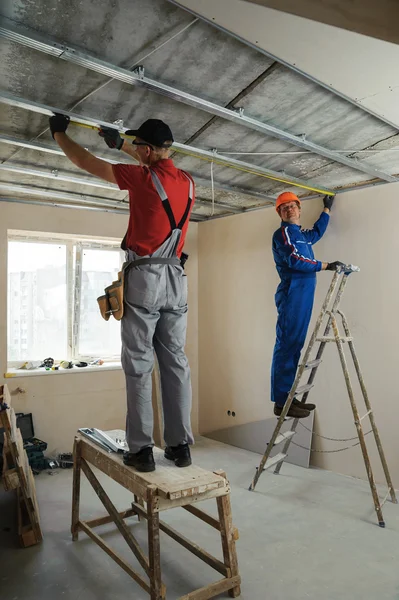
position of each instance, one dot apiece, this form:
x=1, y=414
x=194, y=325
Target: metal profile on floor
x=37, y=42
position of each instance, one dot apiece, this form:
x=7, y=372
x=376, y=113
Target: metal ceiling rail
x=85, y=121
x=200, y=181
x=101, y=184
x=137, y=78
x=54, y=174
x=75, y=198
x=63, y=205
x=60, y=195
x=286, y=64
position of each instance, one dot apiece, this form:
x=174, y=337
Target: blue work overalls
x=297, y=267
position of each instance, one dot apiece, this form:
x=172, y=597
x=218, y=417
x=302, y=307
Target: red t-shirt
x=148, y=223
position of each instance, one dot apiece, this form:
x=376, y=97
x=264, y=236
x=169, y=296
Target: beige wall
x=62, y=403
x=237, y=281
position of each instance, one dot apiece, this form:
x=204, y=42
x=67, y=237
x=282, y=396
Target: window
x=53, y=287
x=96, y=337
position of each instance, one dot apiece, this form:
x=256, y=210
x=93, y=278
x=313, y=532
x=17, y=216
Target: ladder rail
x=370, y=411
x=358, y=423
x=300, y=371
x=327, y=330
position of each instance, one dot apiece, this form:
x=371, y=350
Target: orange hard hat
x=286, y=197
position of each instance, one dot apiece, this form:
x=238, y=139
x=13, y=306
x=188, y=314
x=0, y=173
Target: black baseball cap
x=153, y=131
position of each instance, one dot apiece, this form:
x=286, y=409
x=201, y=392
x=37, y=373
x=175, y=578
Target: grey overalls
x=155, y=318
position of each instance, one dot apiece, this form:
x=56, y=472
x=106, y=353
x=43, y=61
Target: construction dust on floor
x=305, y=534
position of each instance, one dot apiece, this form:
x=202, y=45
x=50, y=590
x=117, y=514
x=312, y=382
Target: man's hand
x=328, y=201
x=111, y=137
x=335, y=266
x=58, y=124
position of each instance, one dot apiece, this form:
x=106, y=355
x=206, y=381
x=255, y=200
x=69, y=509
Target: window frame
x=75, y=245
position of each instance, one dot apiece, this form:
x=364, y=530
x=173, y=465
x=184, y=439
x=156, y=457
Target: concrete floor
x=304, y=535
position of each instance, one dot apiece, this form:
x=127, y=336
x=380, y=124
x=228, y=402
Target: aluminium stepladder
x=341, y=276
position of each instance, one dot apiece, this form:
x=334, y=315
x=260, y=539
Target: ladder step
x=303, y=388
x=283, y=437
x=313, y=363
x=332, y=339
x=275, y=460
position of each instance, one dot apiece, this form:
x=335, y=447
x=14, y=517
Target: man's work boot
x=179, y=454
x=294, y=411
x=143, y=460
x=304, y=405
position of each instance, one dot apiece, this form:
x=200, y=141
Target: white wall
x=237, y=282
x=362, y=68
x=62, y=403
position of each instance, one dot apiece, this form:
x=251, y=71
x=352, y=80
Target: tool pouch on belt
x=111, y=303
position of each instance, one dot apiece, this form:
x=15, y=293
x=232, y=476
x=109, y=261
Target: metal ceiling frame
x=61, y=195
x=200, y=181
x=55, y=175
x=43, y=109
x=286, y=64
x=98, y=183
x=63, y=205
x=137, y=77
x=73, y=197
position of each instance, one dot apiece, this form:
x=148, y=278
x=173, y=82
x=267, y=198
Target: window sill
x=111, y=366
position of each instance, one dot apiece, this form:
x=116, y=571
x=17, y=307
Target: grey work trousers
x=155, y=319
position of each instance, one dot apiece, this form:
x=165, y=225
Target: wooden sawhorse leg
x=154, y=549
x=76, y=489
x=228, y=535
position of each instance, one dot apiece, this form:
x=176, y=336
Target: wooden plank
x=112, y=465
x=9, y=474
x=227, y=535
x=164, y=504
x=26, y=533
x=10, y=479
x=140, y=502
x=124, y=514
x=121, y=525
x=76, y=489
x=204, y=516
x=207, y=518
x=172, y=483
x=210, y=560
x=375, y=19
x=154, y=550
x=213, y=589
x=25, y=476
x=118, y=559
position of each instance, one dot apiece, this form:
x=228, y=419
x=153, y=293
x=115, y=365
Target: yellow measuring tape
x=221, y=162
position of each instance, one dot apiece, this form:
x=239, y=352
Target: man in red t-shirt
x=161, y=198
